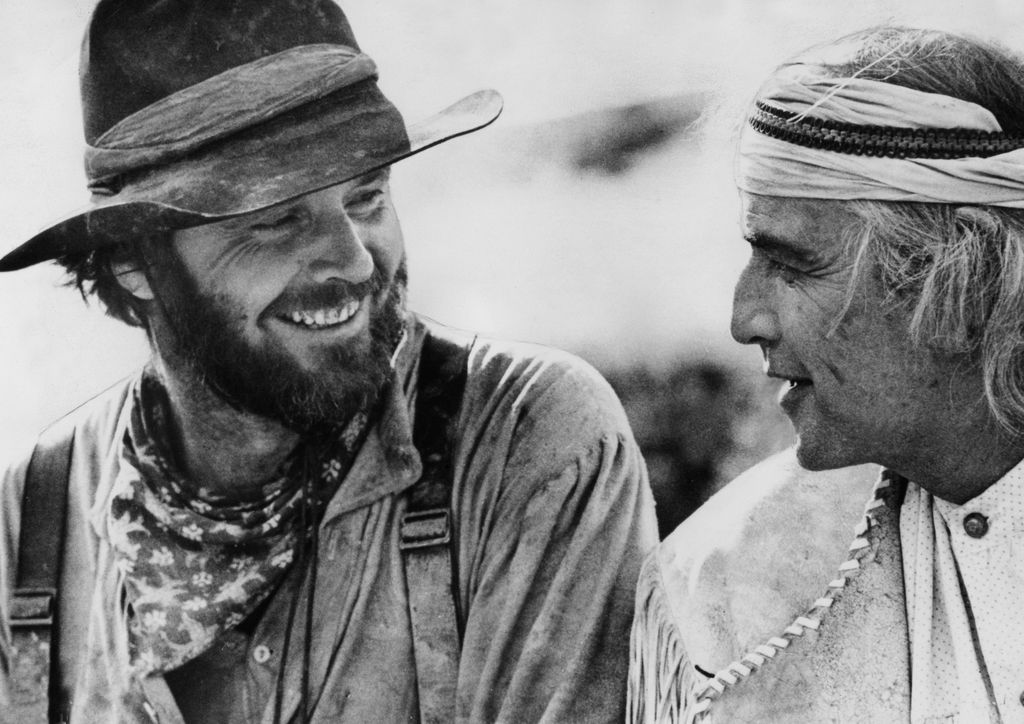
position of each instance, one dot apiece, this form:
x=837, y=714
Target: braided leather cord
x=886, y=141
x=736, y=672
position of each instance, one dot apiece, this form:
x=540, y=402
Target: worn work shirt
x=552, y=515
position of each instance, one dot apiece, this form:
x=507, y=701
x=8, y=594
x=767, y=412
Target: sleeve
x=562, y=518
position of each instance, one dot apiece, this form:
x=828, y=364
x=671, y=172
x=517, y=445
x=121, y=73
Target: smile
x=793, y=390
x=324, y=318
x=790, y=381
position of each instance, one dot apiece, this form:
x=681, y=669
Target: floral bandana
x=197, y=564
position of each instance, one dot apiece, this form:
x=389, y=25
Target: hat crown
x=136, y=52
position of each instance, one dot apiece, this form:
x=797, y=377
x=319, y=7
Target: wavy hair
x=92, y=274
x=957, y=270
x=959, y=273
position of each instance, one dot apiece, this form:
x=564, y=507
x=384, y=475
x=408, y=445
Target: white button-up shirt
x=964, y=570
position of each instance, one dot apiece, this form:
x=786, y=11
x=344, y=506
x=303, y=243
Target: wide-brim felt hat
x=225, y=107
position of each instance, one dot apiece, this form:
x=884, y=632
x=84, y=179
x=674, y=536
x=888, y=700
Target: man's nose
x=337, y=250
x=754, y=319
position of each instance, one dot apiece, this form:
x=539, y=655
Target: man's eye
x=773, y=266
x=366, y=202
x=784, y=271
x=276, y=222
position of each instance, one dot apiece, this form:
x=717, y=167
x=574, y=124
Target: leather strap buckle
x=32, y=607
x=425, y=528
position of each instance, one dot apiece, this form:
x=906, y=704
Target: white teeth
x=325, y=317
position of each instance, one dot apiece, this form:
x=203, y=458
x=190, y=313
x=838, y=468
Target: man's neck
x=217, y=446
x=960, y=469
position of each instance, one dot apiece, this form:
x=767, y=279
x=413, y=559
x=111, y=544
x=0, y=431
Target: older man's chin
x=817, y=450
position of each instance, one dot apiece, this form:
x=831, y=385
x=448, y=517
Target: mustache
x=334, y=293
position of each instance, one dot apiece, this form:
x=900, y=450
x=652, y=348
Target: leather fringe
x=663, y=684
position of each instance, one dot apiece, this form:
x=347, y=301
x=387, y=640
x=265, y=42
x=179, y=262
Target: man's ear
x=132, y=279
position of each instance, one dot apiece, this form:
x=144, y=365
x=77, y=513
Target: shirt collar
x=113, y=462
x=1002, y=504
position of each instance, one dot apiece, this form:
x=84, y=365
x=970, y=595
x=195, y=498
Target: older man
x=311, y=505
x=882, y=188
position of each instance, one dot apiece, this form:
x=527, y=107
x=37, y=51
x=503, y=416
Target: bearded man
x=311, y=505
x=882, y=186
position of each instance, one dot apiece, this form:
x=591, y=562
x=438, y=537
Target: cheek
x=843, y=359
x=874, y=367
x=241, y=297
x=812, y=327
x=384, y=241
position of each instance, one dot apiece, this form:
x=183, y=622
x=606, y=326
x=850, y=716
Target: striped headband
x=810, y=136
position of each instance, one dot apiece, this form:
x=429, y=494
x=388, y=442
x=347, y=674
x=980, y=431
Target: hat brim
x=322, y=145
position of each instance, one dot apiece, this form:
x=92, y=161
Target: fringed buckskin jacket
x=760, y=609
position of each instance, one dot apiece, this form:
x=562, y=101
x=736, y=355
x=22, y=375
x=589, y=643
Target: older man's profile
x=311, y=504
x=882, y=186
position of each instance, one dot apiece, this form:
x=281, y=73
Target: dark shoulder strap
x=34, y=679
x=35, y=676
x=428, y=530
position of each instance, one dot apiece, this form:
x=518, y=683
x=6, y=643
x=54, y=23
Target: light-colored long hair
x=957, y=270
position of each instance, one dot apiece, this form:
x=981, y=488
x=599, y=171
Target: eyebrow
x=779, y=246
x=761, y=240
x=381, y=174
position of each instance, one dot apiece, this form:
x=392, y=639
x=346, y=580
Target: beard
x=265, y=378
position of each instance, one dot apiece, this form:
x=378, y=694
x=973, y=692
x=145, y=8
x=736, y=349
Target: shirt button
x=975, y=525
x=261, y=654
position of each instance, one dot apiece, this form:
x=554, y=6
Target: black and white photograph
x=645, y=361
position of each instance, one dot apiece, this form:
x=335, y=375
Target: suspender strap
x=34, y=678
x=427, y=531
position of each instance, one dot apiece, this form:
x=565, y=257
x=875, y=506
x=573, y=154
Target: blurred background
x=597, y=214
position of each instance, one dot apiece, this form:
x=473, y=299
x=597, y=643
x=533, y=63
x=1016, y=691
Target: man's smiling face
x=858, y=388
x=292, y=312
